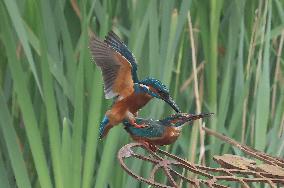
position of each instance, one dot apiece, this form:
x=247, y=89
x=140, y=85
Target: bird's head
x=157, y=89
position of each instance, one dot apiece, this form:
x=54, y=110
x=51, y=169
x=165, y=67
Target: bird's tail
x=105, y=126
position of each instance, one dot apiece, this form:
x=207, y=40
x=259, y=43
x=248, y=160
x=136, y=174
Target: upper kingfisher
x=119, y=71
x=161, y=132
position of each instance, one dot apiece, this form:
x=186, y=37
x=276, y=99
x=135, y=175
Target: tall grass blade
x=263, y=95
x=16, y=156
x=16, y=18
x=3, y=175
x=24, y=99
x=92, y=127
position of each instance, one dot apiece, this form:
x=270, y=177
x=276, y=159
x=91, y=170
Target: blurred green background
x=51, y=94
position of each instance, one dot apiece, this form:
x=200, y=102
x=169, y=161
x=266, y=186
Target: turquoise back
x=155, y=128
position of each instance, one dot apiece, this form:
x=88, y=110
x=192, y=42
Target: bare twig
x=196, y=90
x=233, y=168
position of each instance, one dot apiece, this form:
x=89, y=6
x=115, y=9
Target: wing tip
x=112, y=34
x=113, y=40
x=110, y=94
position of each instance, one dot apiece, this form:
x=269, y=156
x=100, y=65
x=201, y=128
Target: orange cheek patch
x=154, y=90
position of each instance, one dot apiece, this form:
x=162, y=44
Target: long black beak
x=192, y=117
x=172, y=103
x=182, y=118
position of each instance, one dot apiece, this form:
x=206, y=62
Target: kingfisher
x=119, y=72
x=161, y=132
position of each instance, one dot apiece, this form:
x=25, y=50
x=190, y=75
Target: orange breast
x=132, y=103
x=170, y=136
x=117, y=113
x=136, y=101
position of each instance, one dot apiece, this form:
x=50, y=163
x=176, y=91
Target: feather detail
x=116, y=70
x=115, y=43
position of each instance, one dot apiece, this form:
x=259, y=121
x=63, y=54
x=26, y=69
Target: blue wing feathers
x=103, y=53
x=155, y=128
x=115, y=43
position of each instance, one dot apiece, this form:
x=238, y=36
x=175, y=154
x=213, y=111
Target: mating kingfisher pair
x=119, y=71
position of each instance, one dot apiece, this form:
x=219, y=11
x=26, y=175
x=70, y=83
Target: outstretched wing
x=116, y=69
x=115, y=43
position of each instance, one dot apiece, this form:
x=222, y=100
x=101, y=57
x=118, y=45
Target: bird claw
x=140, y=126
x=153, y=147
x=150, y=146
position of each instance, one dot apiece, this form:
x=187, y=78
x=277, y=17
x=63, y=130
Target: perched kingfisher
x=119, y=71
x=161, y=132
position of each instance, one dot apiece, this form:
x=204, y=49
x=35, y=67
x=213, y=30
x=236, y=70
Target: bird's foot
x=150, y=146
x=139, y=126
x=153, y=147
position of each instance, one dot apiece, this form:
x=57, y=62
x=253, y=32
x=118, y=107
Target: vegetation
x=217, y=56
